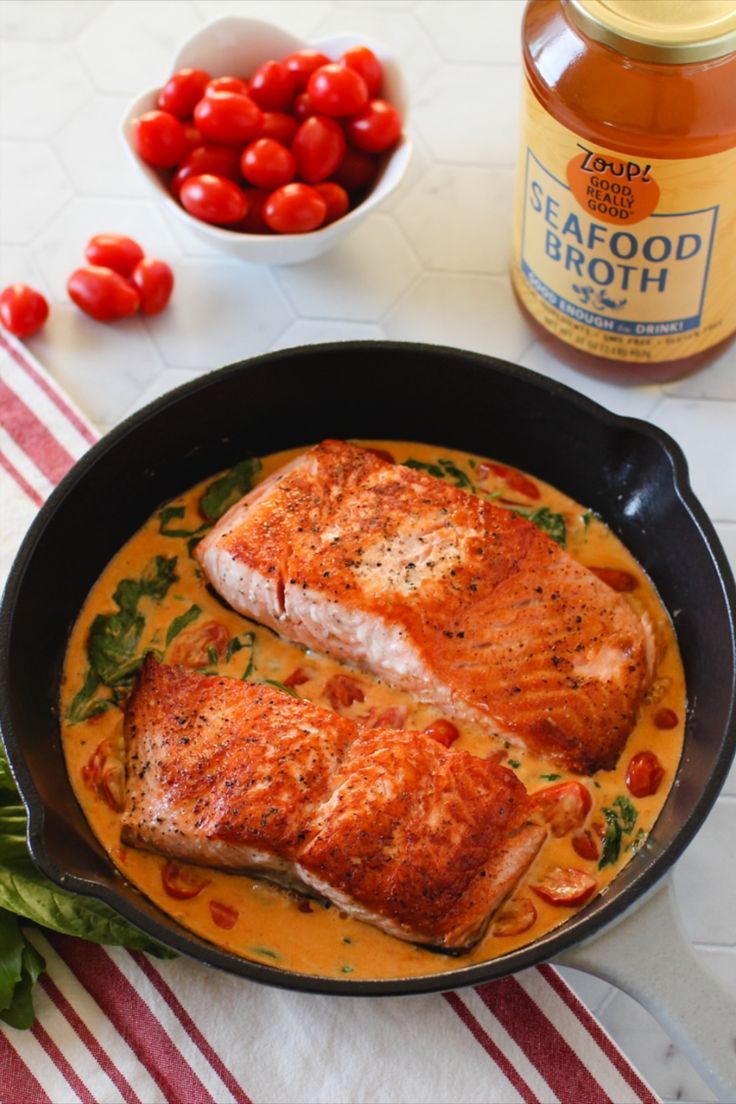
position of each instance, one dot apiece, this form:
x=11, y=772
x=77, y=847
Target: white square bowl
x=236, y=46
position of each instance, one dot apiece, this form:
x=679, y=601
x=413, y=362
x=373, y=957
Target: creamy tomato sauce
x=174, y=614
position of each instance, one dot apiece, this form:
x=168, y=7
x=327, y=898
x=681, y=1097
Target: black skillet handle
x=648, y=955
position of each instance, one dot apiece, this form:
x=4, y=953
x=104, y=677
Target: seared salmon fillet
x=440, y=593
x=391, y=826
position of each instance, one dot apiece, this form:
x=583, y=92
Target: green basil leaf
x=611, y=848
x=280, y=686
x=171, y=513
x=627, y=813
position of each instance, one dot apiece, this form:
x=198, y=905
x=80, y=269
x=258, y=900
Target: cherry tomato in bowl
x=268, y=164
x=336, y=90
x=160, y=139
x=213, y=199
x=318, y=146
x=182, y=92
x=295, y=209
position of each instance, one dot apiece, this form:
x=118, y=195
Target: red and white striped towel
x=115, y=1025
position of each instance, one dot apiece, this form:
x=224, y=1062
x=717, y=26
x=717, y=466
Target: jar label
x=631, y=258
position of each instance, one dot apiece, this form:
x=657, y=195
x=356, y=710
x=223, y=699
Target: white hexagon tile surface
x=430, y=265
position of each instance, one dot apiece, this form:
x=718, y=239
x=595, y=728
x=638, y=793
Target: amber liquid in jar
x=644, y=110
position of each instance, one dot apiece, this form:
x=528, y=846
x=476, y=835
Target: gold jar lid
x=665, y=31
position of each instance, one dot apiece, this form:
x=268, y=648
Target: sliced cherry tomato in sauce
x=302, y=64
x=267, y=164
x=393, y=717
x=23, y=310
x=319, y=146
x=367, y=65
x=513, y=478
x=182, y=92
x=154, y=282
x=666, y=718
x=228, y=117
x=382, y=454
x=297, y=678
x=564, y=806
x=224, y=916
x=515, y=917
x=586, y=845
x=335, y=90
x=294, y=209
x=200, y=644
x=181, y=882
x=279, y=126
x=104, y=773
x=273, y=86
x=615, y=578
x=213, y=199
x=376, y=128
x=208, y=159
x=445, y=732
x=644, y=774
x=565, y=886
x=114, y=251
x=159, y=139
x=103, y=294
x=342, y=690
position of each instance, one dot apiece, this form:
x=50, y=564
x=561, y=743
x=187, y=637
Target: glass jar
x=625, y=241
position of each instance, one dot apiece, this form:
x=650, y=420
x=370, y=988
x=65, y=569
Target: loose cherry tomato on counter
x=515, y=917
x=181, y=882
x=565, y=886
x=318, y=146
x=302, y=64
x=564, y=806
x=356, y=171
x=182, y=92
x=224, y=916
x=273, y=86
x=665, y=718
x=445, y=732
x=376, y=128
x=279, y=126
x=302, y=107
x=267, y=164
x=23, y=310
x=160, y=139
x=342, y=690
x=367, y=65
x=335, y=90
x=228, y=117
x=213, y=199
x=254, y=222
x=615, y=578
x=586, y=845
x=227, y=84
x=103, y=294
x=644, y=774
x=197, y=646
x=209, y=159
x=294, y=209
x=336, y=199
x=114, y=251
x=513, y=478
x=154, y=282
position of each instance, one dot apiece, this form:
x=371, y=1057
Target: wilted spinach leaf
x=181, y=622
x=225, y=491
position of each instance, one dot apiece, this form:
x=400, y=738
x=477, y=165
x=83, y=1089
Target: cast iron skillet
x=631, y=473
